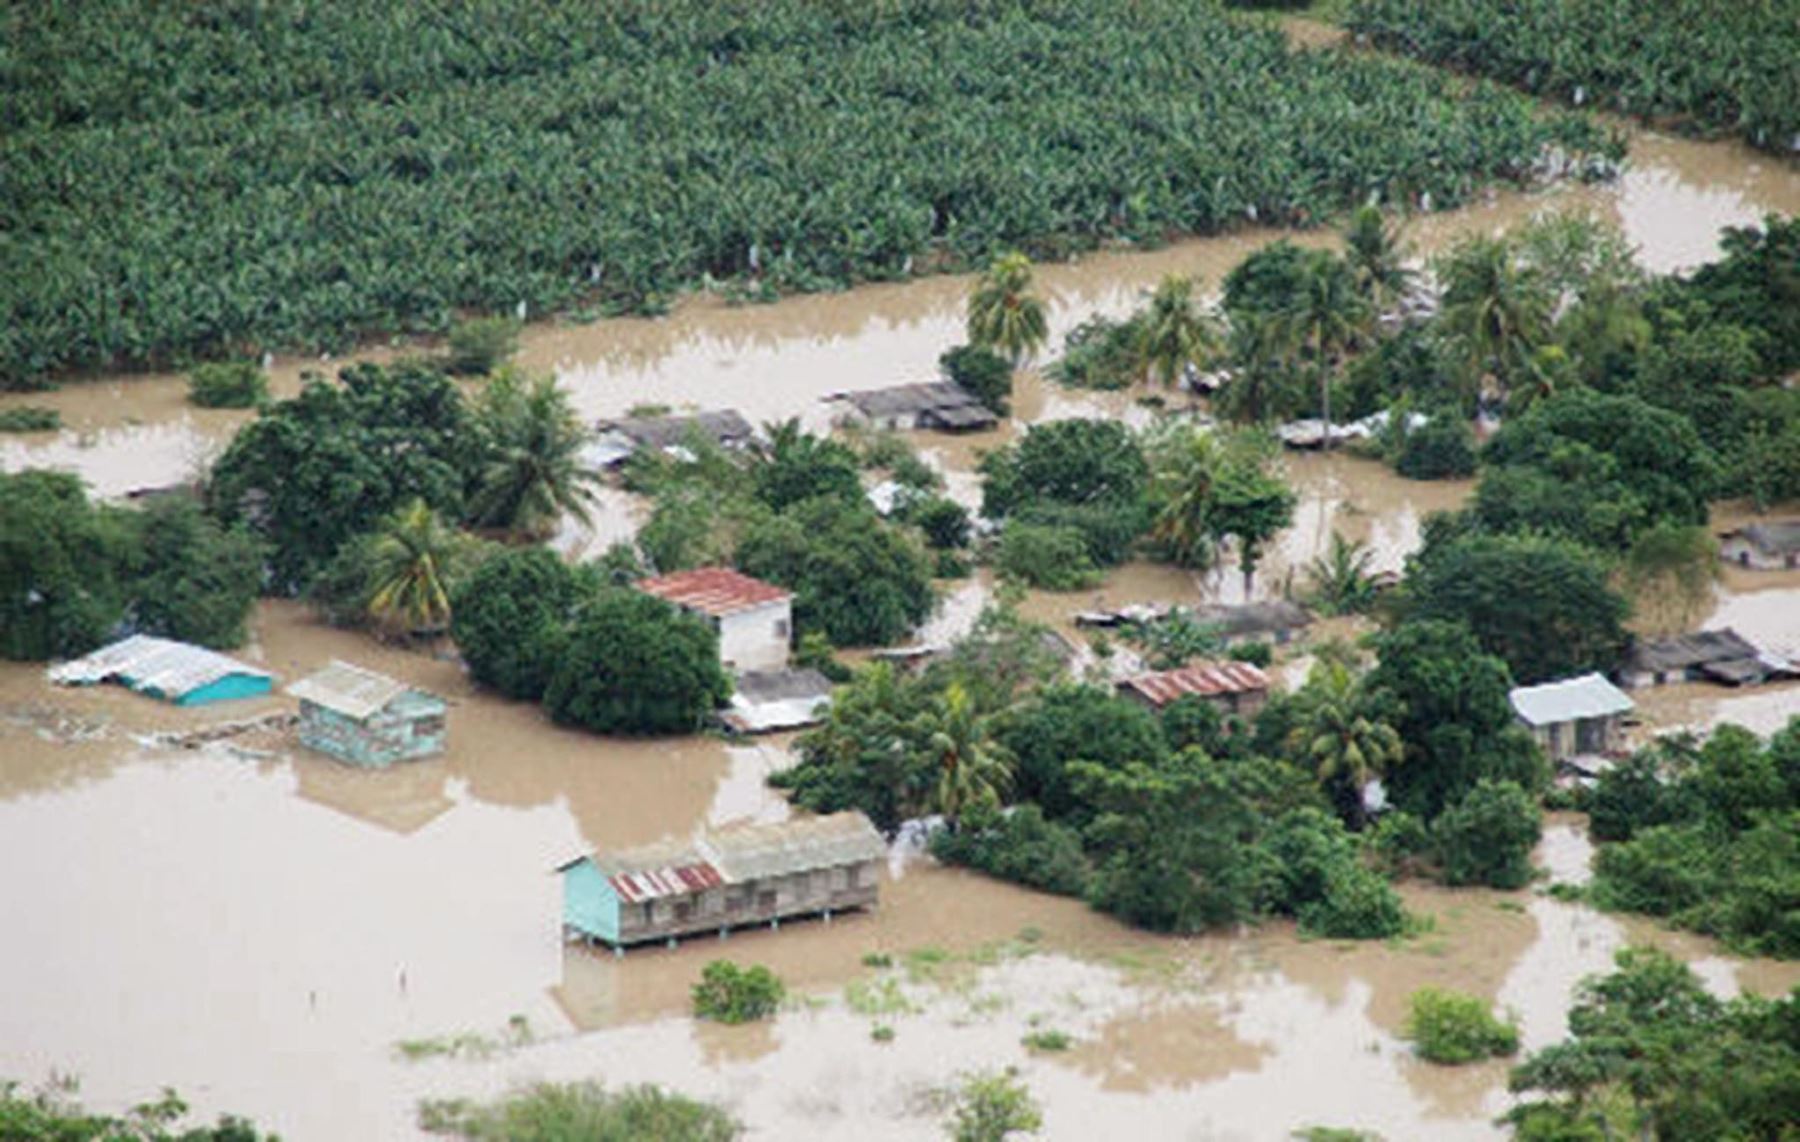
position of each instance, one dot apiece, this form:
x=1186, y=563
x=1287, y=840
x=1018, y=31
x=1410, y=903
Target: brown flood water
x=259, y=928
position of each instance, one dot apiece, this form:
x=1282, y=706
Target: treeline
x=53, y=1114
x=1701, y=66
x=219, y=183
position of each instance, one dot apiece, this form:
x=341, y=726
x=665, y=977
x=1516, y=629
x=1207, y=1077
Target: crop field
x=1705, y=66
x=187, y=181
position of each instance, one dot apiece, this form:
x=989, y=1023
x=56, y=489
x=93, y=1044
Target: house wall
x=590, y=906
x=837, y=888
x=401, y=732
x=1742, y=552
x=757, y=639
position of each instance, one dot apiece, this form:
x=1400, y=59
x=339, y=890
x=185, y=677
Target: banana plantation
x=195, y=181
x=1700, y=65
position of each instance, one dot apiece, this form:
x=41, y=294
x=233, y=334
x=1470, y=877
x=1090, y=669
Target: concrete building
x=1233, y=687
x=1773, y=546
x=940, y=405
x=755, y=620
x=176, y=672
x=728, y=878
x=1573, y=717
x=368, y=719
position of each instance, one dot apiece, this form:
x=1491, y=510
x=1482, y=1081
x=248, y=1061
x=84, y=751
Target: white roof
x=1589, y=696
x=755, y=851
x=349, y=690
x=170, y=668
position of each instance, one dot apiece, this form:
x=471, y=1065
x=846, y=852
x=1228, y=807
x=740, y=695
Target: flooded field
x=262, y=929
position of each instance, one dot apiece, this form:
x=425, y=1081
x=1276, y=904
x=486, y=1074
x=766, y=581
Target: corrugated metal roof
x=714, y=591
x=753, y=851
x=931, y=396
x=658, y=883
x=1777, y=537
x=1588, y=696
x=172, y=669
x=1270, y=617
x=349, y=690
x=724, y=426
x=1205, y=680
x=1683, y=651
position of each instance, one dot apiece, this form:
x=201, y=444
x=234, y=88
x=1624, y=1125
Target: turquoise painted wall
x=412, y=726
x=590, y=906
x=225, y=689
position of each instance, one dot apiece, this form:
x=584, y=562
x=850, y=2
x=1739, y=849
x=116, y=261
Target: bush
x=992, y=1107
x=728, y=993
x=1357, y=904
x=508, y=616
x=944, y=522
x=479, y=345
x=1441, y=448
x=1019, y=845
x=192, y=579
x=52, y=1115
x=1487, y=837
x=1050, y=558
x=633, y=664
x=563, y=1112
x=814, y=652
x=30, y=418
x=1452, y=1028
x=1255, y=653
x=983, y=372
x=1100, y=353
x=228, y=384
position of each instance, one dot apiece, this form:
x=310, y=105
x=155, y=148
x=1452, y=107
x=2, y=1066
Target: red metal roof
x=713, y=590
x=656, y=883
x=1205, y=680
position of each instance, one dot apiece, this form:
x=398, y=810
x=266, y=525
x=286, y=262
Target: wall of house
x=590, y=906
x=1746, y=554
x=838, y=888
x=757, y=639
x=411, y=727
x=227, y=688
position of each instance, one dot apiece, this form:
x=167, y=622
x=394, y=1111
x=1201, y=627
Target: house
x=616, y=441
x=175, y=672
x=763, y=701
x=1233, y=687
x=1275, y=620
x=754, y=619
x=1773, y=546
x=1574, y=716
x=368, y=719
x=1722, y=655
x=727, y=878
x=942, y=405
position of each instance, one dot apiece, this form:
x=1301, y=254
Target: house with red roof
x=755, y=620
x=1234, y=687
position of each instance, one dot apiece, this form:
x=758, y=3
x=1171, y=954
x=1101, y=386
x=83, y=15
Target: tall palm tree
x=531, y=473
x=1334, y=732
x=1340, y=577
x=413, y=561
x=1327, y=317
x=1186, y=468
x=1004, y=314
x=1495, y=307
x=1262, y=352
x=972, y=768
x=1376, y=254
x=1174, y=333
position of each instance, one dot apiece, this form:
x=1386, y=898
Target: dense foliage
x=508, y=615
x=1086, y=474
x=859, y=581
x=228, y=384
x=1487, y=836
x=1450, y=1027
x=982, y=372
x=52, y=1115
x=563, y=1112
x=192, y=579
x=183, y=192
x=631, y=663
x=730, y=993
x=1018, y=845
x=1704, y=66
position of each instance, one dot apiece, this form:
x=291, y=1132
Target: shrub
x=944, y=522
x=1441, y=448
x=1487, y=837
x=633, y=664
x=728, y=993
x=507, y=618
x=1051, y=558
x=560, y=1112
x=983, y=372
x=992, y=1106
x=51, y=1114
x=1452, y=1028
x=228, y=384
x=1019, y=845
x=30, y=418
x=1357, y=904
x=480, y=344
x=814, y=652
x=1048, y=1041
x=1255, y=653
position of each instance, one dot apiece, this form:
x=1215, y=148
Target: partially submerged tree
x=633, y=664
x=1005, y=314
x=529, y=474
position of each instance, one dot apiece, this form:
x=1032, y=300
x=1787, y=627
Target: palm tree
x=1340, y=577
x=1334, y=732
x=972, y=768
x=1495, y=307
x=1375, y=253
x=1004, y=314
x=413, y=560
x=531, y=473
x=1262, y=352
x=1327, y=317
x=1186, y=468
x=1174, y=333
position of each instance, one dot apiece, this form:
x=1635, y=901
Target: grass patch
x=882, y=1033
x=878, y=997
x=30, y=418
x=1048, y=1041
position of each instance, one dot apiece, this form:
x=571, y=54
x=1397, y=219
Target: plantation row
x=1705, y=65
x=189, y=184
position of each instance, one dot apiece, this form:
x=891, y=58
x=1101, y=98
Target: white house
x=754, y=619
x=1574, y=716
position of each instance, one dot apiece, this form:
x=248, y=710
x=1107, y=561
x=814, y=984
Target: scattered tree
x=728, y=993
x=228, y=384
x=530, y=473
x=1005, y=315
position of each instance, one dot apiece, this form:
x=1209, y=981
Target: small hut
x=941, y=405
x=1233, y=687
x=1721, y=655
x=615, y=441
x=1573, y=717
x=1773, y=546
x=176, y=672
x=368, y=719
x=754, y=619
x=728, y=878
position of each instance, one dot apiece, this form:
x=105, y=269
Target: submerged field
x=194, y=183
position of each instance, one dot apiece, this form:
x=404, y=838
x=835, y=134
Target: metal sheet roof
x=931, y=396
x=1203, y=680
x=717, y=591
x=1777, y=537
x=1587, y=696
x=349, y=690
x=753, y=851
x=723, y=426
x=1683, y=651
x=171, y=668
x=1270, y=617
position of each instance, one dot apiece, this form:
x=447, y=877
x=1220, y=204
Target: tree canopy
x=632, y=664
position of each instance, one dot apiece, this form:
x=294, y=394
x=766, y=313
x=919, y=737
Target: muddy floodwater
x=263, y=929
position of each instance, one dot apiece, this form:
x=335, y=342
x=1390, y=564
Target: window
x=683, y=909
x=425, y=727
x=781, y=628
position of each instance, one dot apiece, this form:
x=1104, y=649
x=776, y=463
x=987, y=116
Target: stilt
x=671, y=942
x=618, y=951
x=828, y=915
x=774, y=923
x=724, y=932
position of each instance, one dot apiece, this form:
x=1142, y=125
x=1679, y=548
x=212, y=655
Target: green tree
x=1338, y=737
x=982, y=372
x=1496, y=308
x=868, y=753
x=508, y=618
x=1017, y=845
x=1375, y=251
x=1047, y=557
x=1441, y=448
x=1186, y=463
x=481, y=344
x=1487, y=837
x=1173, y=332
x=859, y=579
x=1074, y=462
x=798, y=466
x=1005, y=315
x=729, y=993
x=633, y=664
x=409, y=567
x=972, y=768
x=61, y=591
x=529, y=474
x=1061, y=724
x=1328, y=317
x=228, y=384
x=53, y=1115
x=1252, y=506
x=1340, y=579
x=1452, y=1028
x=190, y=578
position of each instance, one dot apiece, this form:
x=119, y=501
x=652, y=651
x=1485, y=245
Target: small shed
x=1276, y=620
x=1574, y=716
x=755, y=620
x=1773, y=546
x=1233, y=687
x=941, y=405
x=764, y=701
x=1720, y=654
x=368, y=719
x=176, y=672
x=615, y=441
x=728, y=878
